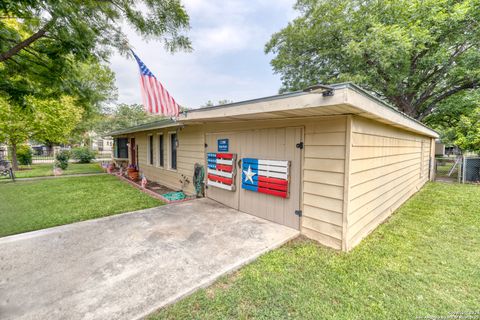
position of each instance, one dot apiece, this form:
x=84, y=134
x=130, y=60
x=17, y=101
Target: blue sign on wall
x=222, y=145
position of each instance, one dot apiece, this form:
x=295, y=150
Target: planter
x=132, y=173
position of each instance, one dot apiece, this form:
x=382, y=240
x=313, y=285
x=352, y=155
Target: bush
x=83, y=155
x=24, y=155
x=62, y=159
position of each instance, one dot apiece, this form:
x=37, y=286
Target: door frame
x=133, y=152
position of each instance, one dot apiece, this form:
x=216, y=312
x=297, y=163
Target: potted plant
x=132, y=172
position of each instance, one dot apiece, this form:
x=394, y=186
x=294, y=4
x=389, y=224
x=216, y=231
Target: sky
x=228, y=61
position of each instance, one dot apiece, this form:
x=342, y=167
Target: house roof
x=348, y=98
x=164, y=123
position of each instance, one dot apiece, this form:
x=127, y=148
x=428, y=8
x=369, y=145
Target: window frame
x=161, y=150
x=171, y=149
x=150, y=150
x=116, y=152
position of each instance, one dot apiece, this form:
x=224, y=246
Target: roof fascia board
x=291, y=102
x=364, y=101
x=142, y=128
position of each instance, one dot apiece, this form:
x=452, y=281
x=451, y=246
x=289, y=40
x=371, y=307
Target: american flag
x=266, y=176
x=156, y=98
x=221, y=170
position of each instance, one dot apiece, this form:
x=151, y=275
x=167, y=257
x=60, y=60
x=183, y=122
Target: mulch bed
x=156, y=187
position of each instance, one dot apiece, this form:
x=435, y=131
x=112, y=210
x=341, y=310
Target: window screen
x=121, y=148
x=160, y=151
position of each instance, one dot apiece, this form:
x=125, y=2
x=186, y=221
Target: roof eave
x=146, y=127
x=387, y=112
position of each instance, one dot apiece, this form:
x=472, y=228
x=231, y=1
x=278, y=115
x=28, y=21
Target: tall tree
x=467, y=132
x=46, y=43
x=14, y=127
x=457, y=119
x=83, y=28
x=51, y=73
x=45, y=120
x=413, y=53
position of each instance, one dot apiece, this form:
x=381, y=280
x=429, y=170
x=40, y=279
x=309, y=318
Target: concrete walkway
x=126, y=266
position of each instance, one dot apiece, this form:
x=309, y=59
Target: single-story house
x=330, y=161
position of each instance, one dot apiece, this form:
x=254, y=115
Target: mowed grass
x=33, y=205
x=46, y=169
x=424, y=261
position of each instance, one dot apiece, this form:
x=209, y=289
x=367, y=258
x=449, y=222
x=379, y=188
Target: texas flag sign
x=221, y=170
x=266, y=176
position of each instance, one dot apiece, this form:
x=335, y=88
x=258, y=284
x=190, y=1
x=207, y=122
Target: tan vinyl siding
x=387, y=166
x=354, y=171
x=323, y=180
x=190, y=151
x=322, y=169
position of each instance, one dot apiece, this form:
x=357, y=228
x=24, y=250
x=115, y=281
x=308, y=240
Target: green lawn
x=425, y=261
x=33, y=205
x=41, y=170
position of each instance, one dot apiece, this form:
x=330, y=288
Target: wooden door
x=273, y=144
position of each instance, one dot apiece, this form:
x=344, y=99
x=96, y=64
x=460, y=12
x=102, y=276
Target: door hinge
x=298, y=213
x=299, y=145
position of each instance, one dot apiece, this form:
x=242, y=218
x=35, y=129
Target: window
x=121, y=148
x=173, y=151
x=161, y=161
x=150, y=150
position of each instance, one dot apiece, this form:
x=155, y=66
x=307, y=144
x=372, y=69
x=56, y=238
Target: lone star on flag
x=249, y=174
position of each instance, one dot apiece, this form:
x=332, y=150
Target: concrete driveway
x=128, y=265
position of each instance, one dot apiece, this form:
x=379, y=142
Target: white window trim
x=158, y=155
x=150, y=148
x=169, y=143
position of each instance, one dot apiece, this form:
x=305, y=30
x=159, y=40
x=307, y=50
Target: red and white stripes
x=156, y=98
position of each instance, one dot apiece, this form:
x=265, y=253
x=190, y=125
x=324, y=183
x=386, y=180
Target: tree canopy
x=46, y=120
x=50, y=43
x=53, y=56
x=413, y=53
x=85, y=28
x=457, y=119
x=467, y=132
x=123, y=116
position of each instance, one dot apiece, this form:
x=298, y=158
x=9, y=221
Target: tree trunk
x=49, y=146
x=13, y=145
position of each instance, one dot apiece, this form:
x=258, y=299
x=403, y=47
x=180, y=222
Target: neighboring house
x=105, y=144
x=352, y=159
x=3, y=151
x=439, y=148
x=100, y=143
x=40, y=149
